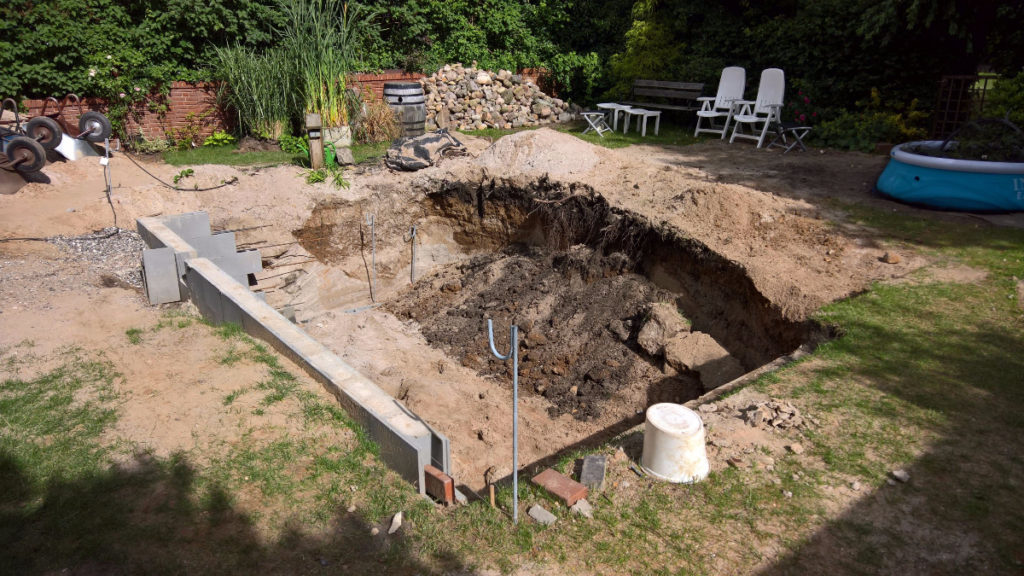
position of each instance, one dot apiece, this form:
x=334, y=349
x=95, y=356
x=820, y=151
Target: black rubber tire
x=44, y=130
x=31, y=153
x=94, y=126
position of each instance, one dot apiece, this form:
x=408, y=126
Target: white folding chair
x=730, y=89
x=595, y=122
x=758, y=115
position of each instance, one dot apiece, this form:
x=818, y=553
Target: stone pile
x=468, y=98
x=774, y=414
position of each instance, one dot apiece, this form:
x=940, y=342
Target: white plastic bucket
x=674, y=444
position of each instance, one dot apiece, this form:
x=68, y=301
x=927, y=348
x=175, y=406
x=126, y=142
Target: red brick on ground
x=439, y=485
x=563, y=487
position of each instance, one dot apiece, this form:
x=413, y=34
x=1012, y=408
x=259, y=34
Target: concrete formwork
x=177, y=266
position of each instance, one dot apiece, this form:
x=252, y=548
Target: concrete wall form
x=407, y=443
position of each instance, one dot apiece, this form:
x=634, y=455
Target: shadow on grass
x=949, y=369
x=145, y=518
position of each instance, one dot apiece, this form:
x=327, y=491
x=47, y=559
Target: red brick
x=561, y=486
x=439, y=485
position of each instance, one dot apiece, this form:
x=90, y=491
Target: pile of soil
x=578, y=312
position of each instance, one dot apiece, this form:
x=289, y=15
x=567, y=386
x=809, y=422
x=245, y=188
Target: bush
x=862, y=130
x=294, y=144
x=1007, y=96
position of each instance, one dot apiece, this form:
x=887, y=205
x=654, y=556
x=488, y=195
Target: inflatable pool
x=951, y=183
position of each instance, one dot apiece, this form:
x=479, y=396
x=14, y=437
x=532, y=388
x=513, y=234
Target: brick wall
x=375, y=82
x=187, y=110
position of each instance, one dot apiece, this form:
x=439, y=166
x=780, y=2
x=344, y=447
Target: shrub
x=294, y=144
x=1007, y=96
x=862, y=130
x=219, y=138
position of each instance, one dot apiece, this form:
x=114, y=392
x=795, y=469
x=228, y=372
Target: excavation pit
x=615, y=314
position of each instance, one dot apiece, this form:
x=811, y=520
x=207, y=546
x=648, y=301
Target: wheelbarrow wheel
x=95, y=127
x=44, y=130
x=25, y=154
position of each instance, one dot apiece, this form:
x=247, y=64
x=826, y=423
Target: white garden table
x=614, y=109
x=645, y=114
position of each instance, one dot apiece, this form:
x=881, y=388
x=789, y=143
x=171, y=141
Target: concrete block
x=561, y=486
x=214, y=247
x=407, y=445
x=583, y=508
x=538, y=513
x=592, y=474
x=160, y=275
x=439, y=485
x=188, y=225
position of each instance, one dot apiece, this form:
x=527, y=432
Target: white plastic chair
x=730, y=89
x=763, y=111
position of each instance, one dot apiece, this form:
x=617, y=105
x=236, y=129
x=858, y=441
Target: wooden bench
x=666, y=95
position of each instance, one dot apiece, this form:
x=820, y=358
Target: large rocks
x=663, y=323
x=464, y=98
x=700, y=353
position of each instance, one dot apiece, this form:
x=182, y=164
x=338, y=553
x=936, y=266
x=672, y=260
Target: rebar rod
x=412, y=266
x=514, y=353
x=371, y=222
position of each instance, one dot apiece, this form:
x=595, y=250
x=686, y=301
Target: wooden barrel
x=407, y=100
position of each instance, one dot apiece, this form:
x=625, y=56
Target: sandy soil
x=768, y=212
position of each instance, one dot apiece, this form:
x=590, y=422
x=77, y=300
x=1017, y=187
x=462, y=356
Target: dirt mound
x=579, y=314
x=542, y=151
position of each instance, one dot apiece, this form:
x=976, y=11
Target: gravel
x=115, y=253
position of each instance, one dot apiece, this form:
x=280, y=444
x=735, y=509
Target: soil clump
x=579, y=315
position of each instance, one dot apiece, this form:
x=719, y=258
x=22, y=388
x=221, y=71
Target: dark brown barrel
x=407, y=100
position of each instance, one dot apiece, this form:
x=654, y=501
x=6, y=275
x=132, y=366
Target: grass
x=227, y=155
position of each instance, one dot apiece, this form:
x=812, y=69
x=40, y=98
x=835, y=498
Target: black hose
x=233, y=180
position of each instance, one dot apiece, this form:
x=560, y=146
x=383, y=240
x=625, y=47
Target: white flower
x=137, y=89
x=92, y=72
x=109, y=56
x=122, y=95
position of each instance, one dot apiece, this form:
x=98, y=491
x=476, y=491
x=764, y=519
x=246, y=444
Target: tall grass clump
x=373, y=120
x=258, y=88
x=321, y=40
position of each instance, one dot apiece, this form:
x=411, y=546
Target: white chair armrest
x=705, y=99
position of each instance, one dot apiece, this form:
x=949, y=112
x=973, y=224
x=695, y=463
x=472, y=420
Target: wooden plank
x=661, y=106
x=699, y=86
x=658, y=93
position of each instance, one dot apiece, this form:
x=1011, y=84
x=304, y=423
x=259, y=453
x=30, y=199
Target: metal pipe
x=514, y=353
x=412, y=266
x=371, y=222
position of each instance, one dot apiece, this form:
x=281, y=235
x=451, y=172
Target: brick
x=561, y=486
x=439, y=485
x=592, y=474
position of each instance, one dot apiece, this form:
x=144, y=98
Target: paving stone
x=538, y=513
x=583, y=508
x=592, y=473
x=561, y=486
x=160, y=275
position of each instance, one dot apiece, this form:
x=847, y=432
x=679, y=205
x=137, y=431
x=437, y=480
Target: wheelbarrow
x=92, y=127
x=23, y=148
